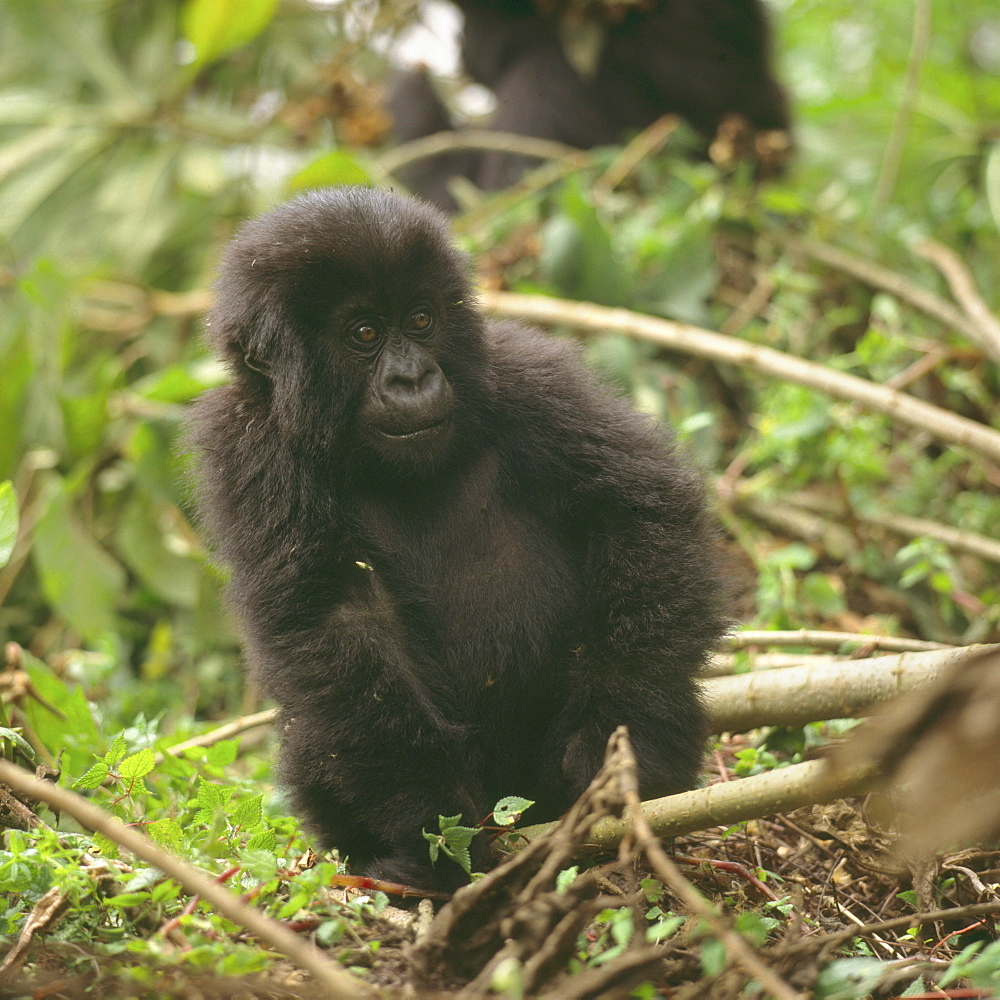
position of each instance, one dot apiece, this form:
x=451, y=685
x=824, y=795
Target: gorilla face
x=406, y=411
x=349, y=310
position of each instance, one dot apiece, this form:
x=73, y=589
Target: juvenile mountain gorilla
x=458, y=562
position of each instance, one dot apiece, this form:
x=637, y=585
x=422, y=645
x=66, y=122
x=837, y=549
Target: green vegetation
x=134, y=137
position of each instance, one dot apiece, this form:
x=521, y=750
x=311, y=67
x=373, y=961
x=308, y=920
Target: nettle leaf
x=138, y=765
x=105, y=845
x=248, y=812
x=223, y=753
x=8, y=521
x=454, y=840
x=509, y=810
x=117, y=752
x=259, y=863
x=167, y=833
x=213, y=796
x=94, y=778
x=566, y=878
x=263, y=840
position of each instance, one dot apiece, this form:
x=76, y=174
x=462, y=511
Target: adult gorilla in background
x=458, y=562
x=703, y=60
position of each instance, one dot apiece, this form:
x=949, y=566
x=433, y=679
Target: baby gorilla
x=458, y=562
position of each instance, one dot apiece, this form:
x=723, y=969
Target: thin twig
x=451, y=141
x=730, y=350
x=919, y=45
x=224, y=732
x=966, y=294
x=648, y=142
x=876, y=276
x=819, y=639
x=340, y=984
x=737, y=947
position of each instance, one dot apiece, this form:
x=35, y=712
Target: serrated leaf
x=212, y=796
x=433, y=845
x=117, y=751
x=167, y=832
x=8, y=521
x=93, y=778
x=138, y=765
x=509, y=809
x=566, y=878
x=263, y=840
x=105, y=845
x=447, y=822
x=223, y=753
x=248, y=812
x=259, y=863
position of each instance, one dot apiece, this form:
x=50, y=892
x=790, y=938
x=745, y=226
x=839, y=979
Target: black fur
x=700, y=59
x=539, y=573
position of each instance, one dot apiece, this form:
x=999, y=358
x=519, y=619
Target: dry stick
x=224, y=732
x=964, y=289
x=903, y=524
x=793, y=696
x=729, y=802
x=340, y=985
x=920, y=43
x=729, y=350
x=820, y=639
x=876, y=276
x=461, y=139
x=738, y=948
x=646, y=143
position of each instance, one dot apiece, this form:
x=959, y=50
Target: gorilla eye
x=421, y=320
x=365, y=333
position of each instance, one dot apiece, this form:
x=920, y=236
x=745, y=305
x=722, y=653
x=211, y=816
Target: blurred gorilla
x=703, y=60
x=458, y=562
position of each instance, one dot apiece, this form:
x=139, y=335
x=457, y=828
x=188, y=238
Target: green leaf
x=566, y=878
x=508, y=810
x=263, y=840
x=105, y=845
x=248, y=812
x=8, y=521
x=94, y=778
x=223, y=753
x=117, y=751
x=138, y=765
x=167, y=833
x=78, y=576
x=330, y=170
x=216, y=27
x=13, y=736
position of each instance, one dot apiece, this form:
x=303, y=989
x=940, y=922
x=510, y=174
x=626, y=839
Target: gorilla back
x=458, y=562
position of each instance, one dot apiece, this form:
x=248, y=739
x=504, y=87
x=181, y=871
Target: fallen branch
x=737, y=947
x=451, y=141
x=793, y=696
x=340, y=984
x=820, y=639
x=876, y=276
x=224, y=732
x=966, y=294
x=730, y=350
x=729, y=802
x=903, y=524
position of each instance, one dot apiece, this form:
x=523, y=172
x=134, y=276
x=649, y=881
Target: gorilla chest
x=483, y=587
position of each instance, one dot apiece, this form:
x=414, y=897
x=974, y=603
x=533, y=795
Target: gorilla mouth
x=412, y=435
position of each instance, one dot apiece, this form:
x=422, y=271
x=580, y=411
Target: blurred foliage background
x=134, y=137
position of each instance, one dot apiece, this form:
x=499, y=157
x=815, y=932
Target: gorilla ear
x=256, y=364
